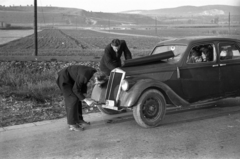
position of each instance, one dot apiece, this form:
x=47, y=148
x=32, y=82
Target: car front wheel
x=150, y=109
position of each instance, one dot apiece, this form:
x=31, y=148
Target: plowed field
x=56, y=42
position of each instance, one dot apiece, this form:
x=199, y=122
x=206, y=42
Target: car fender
x=130, y=97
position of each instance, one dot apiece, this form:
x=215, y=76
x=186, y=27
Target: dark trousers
x=72, y=104
x=73, y=108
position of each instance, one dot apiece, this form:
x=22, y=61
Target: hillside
x=193, y=14
x=56, y=16
x=209, y=10
x=68, y=16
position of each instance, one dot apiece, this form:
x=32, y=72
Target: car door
x=200, y=80
x=229, y=61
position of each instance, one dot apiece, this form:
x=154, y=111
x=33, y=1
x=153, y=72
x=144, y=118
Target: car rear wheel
x=107, y=111
x=150, y=109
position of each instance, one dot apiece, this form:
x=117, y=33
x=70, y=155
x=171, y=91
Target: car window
x=178, y=51
x=228, y=51
x=202, y=53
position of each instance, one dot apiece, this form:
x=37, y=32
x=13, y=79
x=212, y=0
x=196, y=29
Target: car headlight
x=125, y=85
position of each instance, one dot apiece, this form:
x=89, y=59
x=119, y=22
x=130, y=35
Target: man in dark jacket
x=112, y=55
x=72, y=81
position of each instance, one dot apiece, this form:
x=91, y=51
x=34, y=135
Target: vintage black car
x=178, y=74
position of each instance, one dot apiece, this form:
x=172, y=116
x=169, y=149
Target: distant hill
x=217, y=14
x=209, y=10
x=55, y=16
x=68, y=16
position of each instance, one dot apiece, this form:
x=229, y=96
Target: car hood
x=148, y=59
x=159, y=68
x=149, y=64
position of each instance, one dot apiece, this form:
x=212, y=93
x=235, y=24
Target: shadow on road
x=219, y=109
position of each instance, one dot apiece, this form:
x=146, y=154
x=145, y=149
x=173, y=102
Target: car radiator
x=114, y=85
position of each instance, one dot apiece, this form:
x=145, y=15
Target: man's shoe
x=80, y=125
x=82, y=122
x=75, y=128
x=123, y=111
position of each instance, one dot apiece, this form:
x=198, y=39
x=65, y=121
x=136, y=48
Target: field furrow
x=85, y=42
x=55, y=42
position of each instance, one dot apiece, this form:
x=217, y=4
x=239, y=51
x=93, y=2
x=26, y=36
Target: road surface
x=211, y=133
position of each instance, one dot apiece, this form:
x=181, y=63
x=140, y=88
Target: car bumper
x=110, y=107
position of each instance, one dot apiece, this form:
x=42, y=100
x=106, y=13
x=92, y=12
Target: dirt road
x=211, y=133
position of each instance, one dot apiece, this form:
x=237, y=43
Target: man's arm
x=127, y=53
x=108, y=60
x=77, y=90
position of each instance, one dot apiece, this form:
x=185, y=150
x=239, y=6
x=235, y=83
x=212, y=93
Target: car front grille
x=114, y=84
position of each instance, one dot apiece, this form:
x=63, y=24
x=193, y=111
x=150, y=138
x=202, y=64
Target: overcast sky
x=119, y=5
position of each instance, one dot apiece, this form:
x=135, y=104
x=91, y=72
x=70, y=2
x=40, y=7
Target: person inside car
x=207, y=54
x=195, y=57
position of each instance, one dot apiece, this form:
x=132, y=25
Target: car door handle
x=215, y=65
x=223, y=64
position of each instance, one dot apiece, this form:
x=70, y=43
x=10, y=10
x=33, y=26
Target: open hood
x=148, y=59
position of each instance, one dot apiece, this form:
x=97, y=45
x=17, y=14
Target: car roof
x=187, y=40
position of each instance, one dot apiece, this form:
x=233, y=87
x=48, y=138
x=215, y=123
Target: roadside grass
x=33, y=80
x=36, y=83
x=29, y=93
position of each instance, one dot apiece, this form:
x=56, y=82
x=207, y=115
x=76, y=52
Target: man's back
x=112, y=59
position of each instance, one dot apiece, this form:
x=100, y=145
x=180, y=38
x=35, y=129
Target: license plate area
x=110, y=104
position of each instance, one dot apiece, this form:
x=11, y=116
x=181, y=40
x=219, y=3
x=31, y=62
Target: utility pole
x=53, y=22
x=35, y=28
x=156, y=26
x=108, y=25
x=76, y=22
x=229, y=23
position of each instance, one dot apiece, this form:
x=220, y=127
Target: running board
x=172, y=108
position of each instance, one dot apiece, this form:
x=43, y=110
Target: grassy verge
x=28, y=91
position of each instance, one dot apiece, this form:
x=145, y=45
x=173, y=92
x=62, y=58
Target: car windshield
x=178, y=51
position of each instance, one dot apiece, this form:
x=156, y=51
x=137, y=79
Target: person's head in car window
x=207, y=54
x=195, y=57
